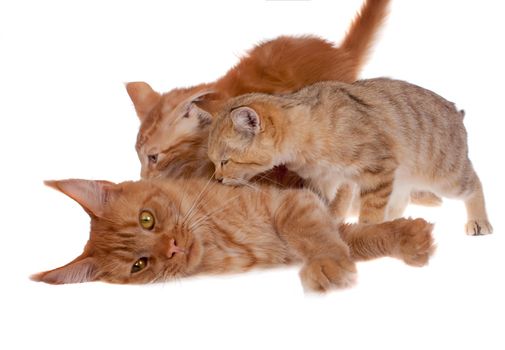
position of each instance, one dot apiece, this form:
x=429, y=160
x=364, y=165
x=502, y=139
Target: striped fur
x=219, y=229
x=386, y=137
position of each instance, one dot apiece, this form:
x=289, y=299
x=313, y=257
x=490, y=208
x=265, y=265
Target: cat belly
x=325, y=178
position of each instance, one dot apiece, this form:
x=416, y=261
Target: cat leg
x=469, y=188
x=477, y=221
x=375, y=191
x=406, y=239
x=341, y=204
x=398, y=200
x=303, y=222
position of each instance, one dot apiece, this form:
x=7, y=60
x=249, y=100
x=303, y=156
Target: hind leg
x=478, y=223
x=469, y=188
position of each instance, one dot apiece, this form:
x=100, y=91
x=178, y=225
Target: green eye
x=146, y=220
x=139, y=265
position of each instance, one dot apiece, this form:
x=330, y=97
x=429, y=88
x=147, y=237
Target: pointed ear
x=80, y=270
x=246, y=120
x=92, y=195
x=204, y=117
x=143, y=96
x=199, y=106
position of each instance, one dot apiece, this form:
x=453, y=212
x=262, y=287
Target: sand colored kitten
x=150, y=231
x=386, y=136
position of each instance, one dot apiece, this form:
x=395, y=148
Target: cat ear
x=143, y=96
x=80, y=270
x=92, y=195
x=246, y=120
x=204, y=117
x=199, y=106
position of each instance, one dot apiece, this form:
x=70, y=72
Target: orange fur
x=201, y=227
x=284, y=64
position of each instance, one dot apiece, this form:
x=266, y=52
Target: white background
x=65, y=113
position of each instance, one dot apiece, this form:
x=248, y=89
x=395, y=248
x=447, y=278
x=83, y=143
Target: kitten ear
x=92, y=195
x=80, y=270
x=246, y=120
x=143, y=96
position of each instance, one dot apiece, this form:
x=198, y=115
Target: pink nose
x=173, y=249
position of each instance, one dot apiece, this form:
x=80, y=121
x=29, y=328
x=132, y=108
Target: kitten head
x=243, y=140
x=137, y=234
x=172, y=126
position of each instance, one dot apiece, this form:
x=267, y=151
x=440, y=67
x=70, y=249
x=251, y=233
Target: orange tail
x=363, y=30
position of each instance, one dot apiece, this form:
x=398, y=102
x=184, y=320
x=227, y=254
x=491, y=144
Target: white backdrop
x=65, y=113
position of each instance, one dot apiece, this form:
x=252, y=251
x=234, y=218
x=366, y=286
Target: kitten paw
x=323, y=274
x=478, y=227
x=416, y=242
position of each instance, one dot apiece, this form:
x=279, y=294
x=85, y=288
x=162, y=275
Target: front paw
x=416, y=242
x=478, y=227
x=323, y=274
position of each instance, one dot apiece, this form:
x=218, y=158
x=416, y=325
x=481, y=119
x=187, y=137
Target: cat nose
x=173, y=249
x=219, y=179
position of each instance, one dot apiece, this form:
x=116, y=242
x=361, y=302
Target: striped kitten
x=388, y=137
x=151, y=231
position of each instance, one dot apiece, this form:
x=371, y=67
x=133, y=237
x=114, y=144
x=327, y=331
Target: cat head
x=137, y=235
x=245, y=139
x=172, y=126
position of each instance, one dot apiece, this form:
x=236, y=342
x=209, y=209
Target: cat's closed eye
x=140, y=264
x=224, y=162
x=146, y=220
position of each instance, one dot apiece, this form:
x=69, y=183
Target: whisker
x=208, y=215
x=246, y=183
x=199, y=196
x=183, y=197
x=264, y=177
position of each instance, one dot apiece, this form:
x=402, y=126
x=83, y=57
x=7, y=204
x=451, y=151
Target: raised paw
x=323, y=274
x=416, y=242
x=478, y=227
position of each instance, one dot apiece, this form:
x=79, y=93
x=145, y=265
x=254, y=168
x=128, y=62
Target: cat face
x=137, y=234
x=172, y=126
x=240, y=145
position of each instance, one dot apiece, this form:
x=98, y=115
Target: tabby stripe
x=355, y=99
x=229, y=239
x=372, y=191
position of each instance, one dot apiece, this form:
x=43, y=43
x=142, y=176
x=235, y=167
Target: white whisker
x=208, y=215
x=198, y=197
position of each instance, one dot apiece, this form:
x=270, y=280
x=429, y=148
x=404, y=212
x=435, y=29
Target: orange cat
x=387, y=137
x=151, y=230
x=173, y=133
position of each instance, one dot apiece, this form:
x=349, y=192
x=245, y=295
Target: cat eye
x=146, y=220
x=153, y=158
x=224, y=162
x=139, y=265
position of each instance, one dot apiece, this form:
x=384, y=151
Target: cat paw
x=478, y=227
x=416, y=242
x=323, y=274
